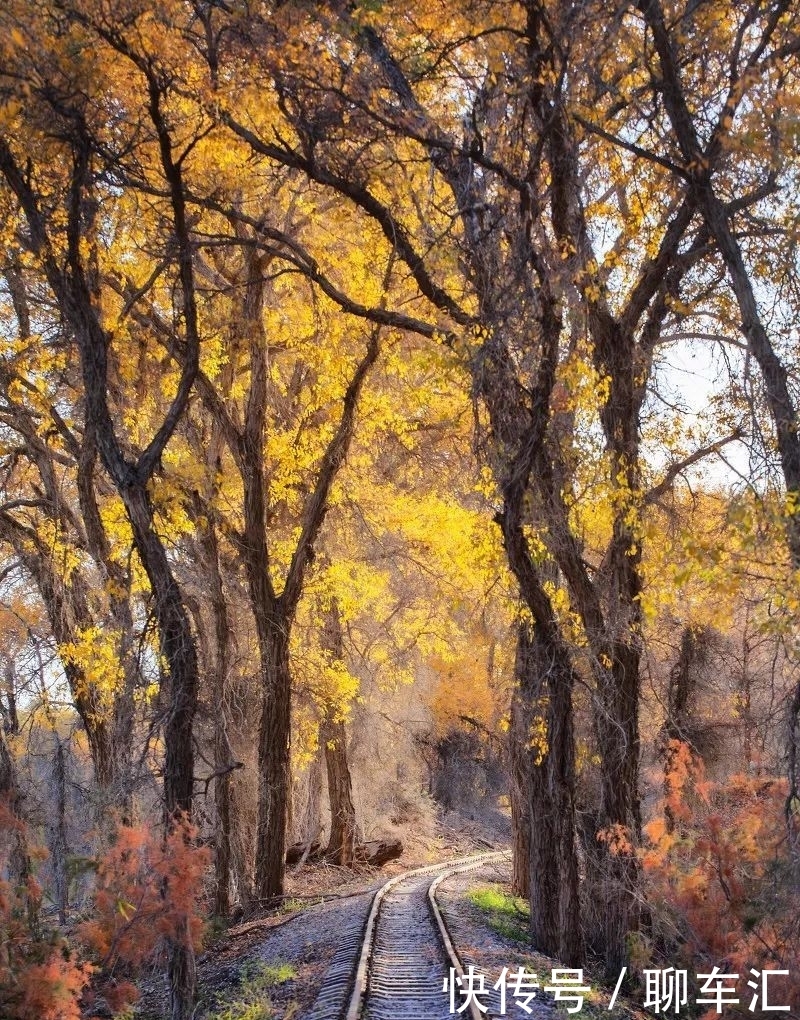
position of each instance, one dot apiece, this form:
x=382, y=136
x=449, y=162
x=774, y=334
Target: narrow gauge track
x=394, y=964
x=407, y=951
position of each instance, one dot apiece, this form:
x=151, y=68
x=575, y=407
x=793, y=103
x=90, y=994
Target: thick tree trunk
x=273, y=757
x=342, y=840
x=182, y=679
x=545, y=677
x=617, y=726
x=223, y=754
x=544, y=865
x=562, y=781
x=178, y=651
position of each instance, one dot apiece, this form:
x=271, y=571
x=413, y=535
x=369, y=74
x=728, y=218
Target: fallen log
x=374, y=852
x=298, y=851
x=378, y=851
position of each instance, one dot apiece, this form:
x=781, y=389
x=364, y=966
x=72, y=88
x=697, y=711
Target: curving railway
x=395, y=966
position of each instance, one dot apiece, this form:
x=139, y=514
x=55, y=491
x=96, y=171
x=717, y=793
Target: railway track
x=395, y=966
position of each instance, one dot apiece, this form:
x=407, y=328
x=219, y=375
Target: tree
x=59, y=214
x=726, y=142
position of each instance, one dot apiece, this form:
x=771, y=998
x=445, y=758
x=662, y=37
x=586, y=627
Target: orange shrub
x=40, y=978
x=147, y=891
x=720, y=875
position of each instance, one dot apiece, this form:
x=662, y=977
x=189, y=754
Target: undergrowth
x=252, y=1001
x=507, y=915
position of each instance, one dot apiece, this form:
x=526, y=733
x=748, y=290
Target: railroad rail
x=407, y=950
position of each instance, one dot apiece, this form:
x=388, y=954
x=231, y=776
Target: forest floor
x=273, y=967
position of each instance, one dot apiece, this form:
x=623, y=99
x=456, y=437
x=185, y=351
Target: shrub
x=147, y=891
x=40, y=978
x=719, y=867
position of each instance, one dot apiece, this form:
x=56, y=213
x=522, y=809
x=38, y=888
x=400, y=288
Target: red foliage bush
x=147, y=891
x=722, y=878
x=40, y=979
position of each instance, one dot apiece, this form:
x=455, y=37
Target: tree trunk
x=57, y=831
x=333, y=737
x=544, y=866
x=222, y=802
x=178, y=651
x=242, y=841
x=273, y=756
x=308, y=817
x=10, y=719
x=518, y=737
x=179, y=655
x=617, y=726
x=679, y=700
x=19, y=862
x=223, y=754
x=341, y=844
x=545, y=677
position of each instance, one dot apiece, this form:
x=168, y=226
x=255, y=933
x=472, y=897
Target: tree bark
x=14, y=831
x=342, y=840
x=519, y=758
x=57, y=830
x=273, y=755
x=333, y=737
x=223, y=753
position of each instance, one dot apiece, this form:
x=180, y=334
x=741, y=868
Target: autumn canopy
x=398, y=399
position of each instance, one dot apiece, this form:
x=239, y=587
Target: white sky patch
x=690, y=378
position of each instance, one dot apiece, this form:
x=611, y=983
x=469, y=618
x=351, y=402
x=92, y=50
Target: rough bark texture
x=223, y=754
x=341, y=842
x=333, y=738
x=545, y=679
x=273, y=756
x=520, y=779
